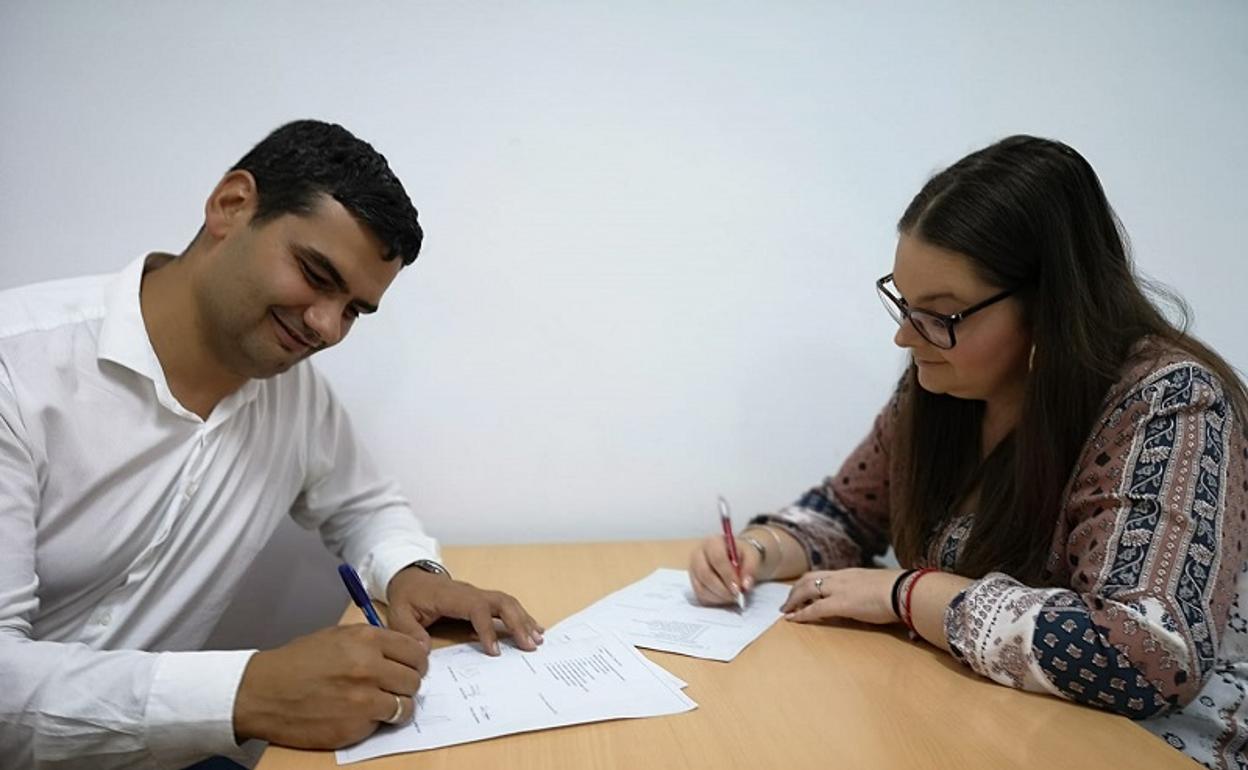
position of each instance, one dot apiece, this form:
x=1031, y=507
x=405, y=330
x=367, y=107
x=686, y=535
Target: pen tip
x=741, y=601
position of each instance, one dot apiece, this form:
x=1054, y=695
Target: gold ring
x=398, y=711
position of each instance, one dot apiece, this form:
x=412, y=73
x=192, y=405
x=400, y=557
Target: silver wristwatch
x=429, y=565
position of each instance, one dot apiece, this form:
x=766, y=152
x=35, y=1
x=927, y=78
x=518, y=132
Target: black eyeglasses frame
x=947, y=321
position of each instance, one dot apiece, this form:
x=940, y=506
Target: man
x=154, y=427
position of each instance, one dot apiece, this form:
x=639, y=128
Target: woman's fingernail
x=749, y=583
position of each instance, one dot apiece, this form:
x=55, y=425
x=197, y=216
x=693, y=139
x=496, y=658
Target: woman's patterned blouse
x=1142, y=612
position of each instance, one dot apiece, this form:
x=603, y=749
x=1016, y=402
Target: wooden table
x=840, y=696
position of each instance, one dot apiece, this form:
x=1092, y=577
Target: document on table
x=660, y=612
x=581, y=673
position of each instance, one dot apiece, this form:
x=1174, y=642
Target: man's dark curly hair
x=305, y=159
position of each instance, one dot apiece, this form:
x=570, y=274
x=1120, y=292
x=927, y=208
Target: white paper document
x=660, y=612
x=579, y=674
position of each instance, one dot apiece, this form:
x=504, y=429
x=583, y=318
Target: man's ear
x=231, y=205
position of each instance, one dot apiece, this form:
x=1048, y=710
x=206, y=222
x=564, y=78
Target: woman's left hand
x=859, y=594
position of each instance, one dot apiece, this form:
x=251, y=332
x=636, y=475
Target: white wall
x=652, y=226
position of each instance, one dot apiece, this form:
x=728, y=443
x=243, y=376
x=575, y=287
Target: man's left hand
x=418, y=598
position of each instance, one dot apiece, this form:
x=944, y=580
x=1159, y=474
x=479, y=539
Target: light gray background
x=652, y=227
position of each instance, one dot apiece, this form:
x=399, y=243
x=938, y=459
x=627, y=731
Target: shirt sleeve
x=843, y=522
x=1150, y=549
x=361, y=514
x=66, y=705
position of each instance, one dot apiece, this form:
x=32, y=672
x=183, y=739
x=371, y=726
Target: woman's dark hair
x=303, y=160
x=1029, y=214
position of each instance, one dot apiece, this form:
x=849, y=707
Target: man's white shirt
x=126, y=522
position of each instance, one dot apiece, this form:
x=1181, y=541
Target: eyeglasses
x=936, y=328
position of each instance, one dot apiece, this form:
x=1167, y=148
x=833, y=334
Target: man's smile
x=287, y=337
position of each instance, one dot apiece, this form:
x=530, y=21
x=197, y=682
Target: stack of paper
x=660, y=612
x=587, y=670
x=579, y=674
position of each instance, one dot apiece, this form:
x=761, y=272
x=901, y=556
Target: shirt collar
x=123, y=335
x=124, y=341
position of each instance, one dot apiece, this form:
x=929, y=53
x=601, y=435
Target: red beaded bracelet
x=909, y=592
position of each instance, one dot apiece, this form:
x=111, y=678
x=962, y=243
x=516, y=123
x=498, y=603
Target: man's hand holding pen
x=331, y=688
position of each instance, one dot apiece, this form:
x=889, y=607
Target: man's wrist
x=420, y=572
x=245, y=711
x=430, y=566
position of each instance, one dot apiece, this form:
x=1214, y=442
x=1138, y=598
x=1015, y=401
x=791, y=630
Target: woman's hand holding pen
x=331, y=688
x=712, y=574
x=417, y=598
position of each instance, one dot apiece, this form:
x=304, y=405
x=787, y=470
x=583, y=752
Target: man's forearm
x=115, y=709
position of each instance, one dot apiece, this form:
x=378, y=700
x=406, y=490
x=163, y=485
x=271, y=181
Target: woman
x=1069, y=470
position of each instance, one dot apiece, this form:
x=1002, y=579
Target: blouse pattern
x=1141, y=611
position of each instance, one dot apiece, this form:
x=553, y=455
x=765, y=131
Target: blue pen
x=358, y=595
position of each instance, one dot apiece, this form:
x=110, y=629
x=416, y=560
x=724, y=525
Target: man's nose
x=324, y=319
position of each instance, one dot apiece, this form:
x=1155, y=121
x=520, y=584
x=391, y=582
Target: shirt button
x=104, y=618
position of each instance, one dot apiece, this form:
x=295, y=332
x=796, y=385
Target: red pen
x=725, y=520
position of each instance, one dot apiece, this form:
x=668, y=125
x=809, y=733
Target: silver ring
x=398, y=711
x=819, y=586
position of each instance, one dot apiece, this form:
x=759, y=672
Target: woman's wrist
x=895, y=594
x=904, y=589
x=770, y=549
